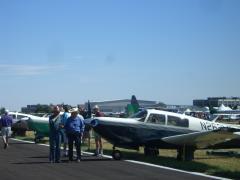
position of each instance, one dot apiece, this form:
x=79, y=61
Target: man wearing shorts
x=98, y=139
x=6, y=123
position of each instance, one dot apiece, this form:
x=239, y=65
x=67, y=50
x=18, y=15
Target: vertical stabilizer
x=133, y=107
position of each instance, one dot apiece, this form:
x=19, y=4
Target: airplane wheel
x=117, y=155
x=36, y=140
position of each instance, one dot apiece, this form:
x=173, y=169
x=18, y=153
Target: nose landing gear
x=116, y=154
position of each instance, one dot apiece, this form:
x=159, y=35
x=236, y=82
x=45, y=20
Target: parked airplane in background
x=40, y=126
x=19, y=116
x=19, y=126
x=156, y=129
x=227, y=116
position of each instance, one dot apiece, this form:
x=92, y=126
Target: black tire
x=116, y=155
x=36, y=140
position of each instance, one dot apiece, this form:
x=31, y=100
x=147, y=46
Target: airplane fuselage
x=134, y=132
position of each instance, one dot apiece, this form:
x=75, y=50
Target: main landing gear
x=185, y=153
x=38, y=138
x=116, y=154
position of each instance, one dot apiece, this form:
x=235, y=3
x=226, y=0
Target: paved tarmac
x=26, y=161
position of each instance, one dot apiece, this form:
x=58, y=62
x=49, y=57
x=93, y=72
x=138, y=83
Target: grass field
x=223, y=166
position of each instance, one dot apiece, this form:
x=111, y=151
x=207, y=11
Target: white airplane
x=156, y=129
x=17, y=116
x=228, y=116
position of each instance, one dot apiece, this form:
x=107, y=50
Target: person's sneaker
x=57, y=161
x=95, y=154
x=78, y=160
x=5, y=146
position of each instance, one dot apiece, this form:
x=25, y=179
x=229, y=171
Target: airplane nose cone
x=94, y=122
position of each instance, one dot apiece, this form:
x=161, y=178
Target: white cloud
x=28, y=70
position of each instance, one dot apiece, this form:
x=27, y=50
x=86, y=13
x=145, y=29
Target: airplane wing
x=204, y=139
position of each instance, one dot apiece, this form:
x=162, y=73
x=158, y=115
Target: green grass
x=223, y=166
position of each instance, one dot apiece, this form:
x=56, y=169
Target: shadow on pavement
x=38, y=157
x=84, y=158
x=30, y=163
x=20, y=143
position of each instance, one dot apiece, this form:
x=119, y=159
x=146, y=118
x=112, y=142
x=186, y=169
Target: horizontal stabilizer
x=204, y=139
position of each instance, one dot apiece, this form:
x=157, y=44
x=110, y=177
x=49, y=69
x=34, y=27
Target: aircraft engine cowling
x=94, y=122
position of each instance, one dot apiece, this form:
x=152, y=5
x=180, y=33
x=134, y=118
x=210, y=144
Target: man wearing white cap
x=74, y=128
x=6, y=122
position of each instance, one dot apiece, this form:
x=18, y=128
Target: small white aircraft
x=17, y=116
x=156, y=129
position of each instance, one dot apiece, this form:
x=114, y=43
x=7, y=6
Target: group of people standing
x=64, y=128
x=69, y=128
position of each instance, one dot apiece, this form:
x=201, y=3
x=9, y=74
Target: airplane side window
x=156, y=119
x=151, y=119
x=176, y=121
x=184, y=122
x=172, y=121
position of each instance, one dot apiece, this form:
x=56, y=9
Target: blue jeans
x=54, y=142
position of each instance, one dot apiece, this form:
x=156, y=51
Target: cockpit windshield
x=140, y=115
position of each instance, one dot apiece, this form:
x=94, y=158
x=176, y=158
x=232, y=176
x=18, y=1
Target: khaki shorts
x=97, y=136
x=6, y=131
x=86, y=134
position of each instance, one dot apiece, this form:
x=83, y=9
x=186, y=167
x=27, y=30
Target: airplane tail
x=133, y=107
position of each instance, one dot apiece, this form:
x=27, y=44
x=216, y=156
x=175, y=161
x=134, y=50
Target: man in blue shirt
x=55, y=135
x=6, y=122
x=74, y=128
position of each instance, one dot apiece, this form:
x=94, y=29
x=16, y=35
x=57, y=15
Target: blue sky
x=71, y=51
